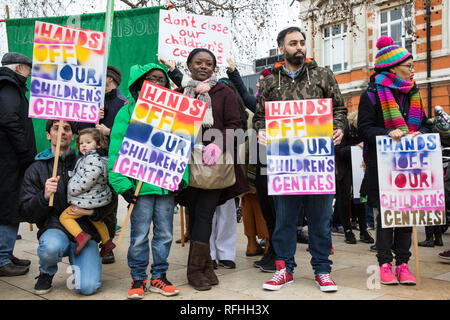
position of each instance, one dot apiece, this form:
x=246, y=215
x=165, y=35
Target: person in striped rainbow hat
x=391, y=105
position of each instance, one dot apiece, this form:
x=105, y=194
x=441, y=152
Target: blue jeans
x=8, y=236
x=148, y=208
x=318, y=213
x=87, y=267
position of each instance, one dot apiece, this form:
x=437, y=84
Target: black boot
x=350, y=237
x=428, y=242
x=438, y=236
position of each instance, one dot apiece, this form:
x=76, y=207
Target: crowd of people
x=86, y=189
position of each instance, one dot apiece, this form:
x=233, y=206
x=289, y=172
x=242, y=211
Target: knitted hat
x=114, y=73
x=389, y=55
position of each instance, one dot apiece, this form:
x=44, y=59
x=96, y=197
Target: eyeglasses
x=410, y=66
x=156, y=80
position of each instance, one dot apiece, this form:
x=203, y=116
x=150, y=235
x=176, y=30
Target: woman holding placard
x=391, y=105
x=221, y=115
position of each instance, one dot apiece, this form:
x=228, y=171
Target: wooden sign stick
x=130, y=209
x=416, y=257
x=182, y=225
x=55, y=162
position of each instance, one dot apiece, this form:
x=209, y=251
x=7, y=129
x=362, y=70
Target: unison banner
x=410, y=180
x=300, y=152
x=66, y=78
x=158, y=142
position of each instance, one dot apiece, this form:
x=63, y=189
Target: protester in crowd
x=18, y=150
x=113, y=102
x=223, y=232
x=391, y=105
x=88, y=189
x=153, y=204
x=301, y=78
x=55, y=242
x=267, y=262
x=222, y=114
x=343, y=160
x=222, y=241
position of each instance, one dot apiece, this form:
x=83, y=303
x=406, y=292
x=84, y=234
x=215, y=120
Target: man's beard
x=295, y=60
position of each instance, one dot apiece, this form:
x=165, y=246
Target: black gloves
x=129, y=196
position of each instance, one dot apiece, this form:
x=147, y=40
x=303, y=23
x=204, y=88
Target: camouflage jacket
x=313, y=82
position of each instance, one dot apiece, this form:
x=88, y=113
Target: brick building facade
x=347, y=46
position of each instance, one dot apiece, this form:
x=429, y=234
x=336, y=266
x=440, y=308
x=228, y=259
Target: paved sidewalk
x=351, y=264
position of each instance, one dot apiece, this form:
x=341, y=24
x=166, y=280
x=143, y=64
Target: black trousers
x=397, y=240
x=201, y=206
x=266, y=203
x=346, y=207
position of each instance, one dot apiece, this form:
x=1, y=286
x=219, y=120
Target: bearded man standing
x=299, y=79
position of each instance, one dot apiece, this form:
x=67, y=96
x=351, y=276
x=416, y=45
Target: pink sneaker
x=386, y=275
x=325, y=283
x=404, y=275
x=280, y=279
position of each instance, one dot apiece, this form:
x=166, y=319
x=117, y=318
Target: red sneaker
x=280, y=279
x=325, y=283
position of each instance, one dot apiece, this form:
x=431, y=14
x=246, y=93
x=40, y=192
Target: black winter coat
x=35, y=209
x=17, y=142
x=370, y=125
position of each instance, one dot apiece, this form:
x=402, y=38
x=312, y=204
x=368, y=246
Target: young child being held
x=88, y=188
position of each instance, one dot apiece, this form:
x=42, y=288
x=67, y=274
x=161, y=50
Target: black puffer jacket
x=35, y=209
x=17, y=142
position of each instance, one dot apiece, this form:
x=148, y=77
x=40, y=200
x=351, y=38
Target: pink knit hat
x=389, y=54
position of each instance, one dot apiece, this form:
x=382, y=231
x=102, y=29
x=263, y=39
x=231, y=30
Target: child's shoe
x=163, y=286
x=107, y=248
x=82, y=239
x=404, y=275
x=386, y=274
x=137, y=289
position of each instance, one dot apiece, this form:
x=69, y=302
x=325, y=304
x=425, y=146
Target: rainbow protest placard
x=159, y=139
x=300, y=152
x=66, y=79
x=411, y=181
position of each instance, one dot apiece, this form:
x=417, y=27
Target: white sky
x=281, y=17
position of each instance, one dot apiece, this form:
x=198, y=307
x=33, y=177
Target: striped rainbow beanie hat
x=389, y=54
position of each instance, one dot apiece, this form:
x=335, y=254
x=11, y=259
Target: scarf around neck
x=386, y=82
x=200, y=90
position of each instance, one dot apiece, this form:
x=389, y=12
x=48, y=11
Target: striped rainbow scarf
x=387, y=81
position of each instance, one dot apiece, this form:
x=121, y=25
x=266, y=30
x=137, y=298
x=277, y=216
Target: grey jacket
x=88, y=185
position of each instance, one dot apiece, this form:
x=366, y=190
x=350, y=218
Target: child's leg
x=107, y=244
x=102, y=230
x=69, y=222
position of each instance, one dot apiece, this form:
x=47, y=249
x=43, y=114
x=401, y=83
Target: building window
x=397, y=24
x=334, y=47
